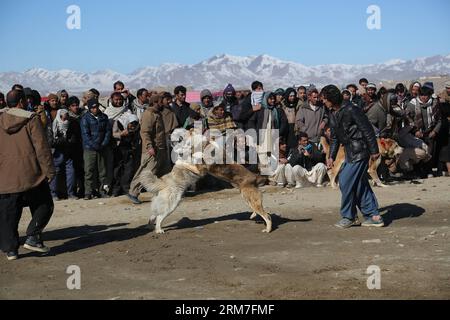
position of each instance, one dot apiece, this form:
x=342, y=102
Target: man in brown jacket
x=25, y=170
x=154, y=144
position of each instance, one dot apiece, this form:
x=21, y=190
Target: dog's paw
x=160, y=231
x=266, y=230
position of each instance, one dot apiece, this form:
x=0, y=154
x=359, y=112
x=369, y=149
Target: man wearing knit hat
x=231, y=104
x=96, y=133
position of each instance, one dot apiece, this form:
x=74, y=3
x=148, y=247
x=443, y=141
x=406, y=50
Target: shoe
x=55, y=198
x=345, y=223
x=319, y=185
x=372, y=223
x=290, y=186
x=272, y=183
x=281, y=185
x=104, y=194
x=134, y=199
x=73, y=197
x=298, y=185
x=88, y=197
x=12, y=255
x=34, y=243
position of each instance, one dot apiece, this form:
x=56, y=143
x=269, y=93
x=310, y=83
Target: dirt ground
x=211, y=250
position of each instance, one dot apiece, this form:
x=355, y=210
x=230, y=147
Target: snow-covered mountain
x=219, y=70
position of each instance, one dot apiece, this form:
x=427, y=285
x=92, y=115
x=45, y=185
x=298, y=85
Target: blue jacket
x=96, y=133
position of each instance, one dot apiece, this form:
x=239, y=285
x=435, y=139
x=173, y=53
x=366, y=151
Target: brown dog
x=170, y=188
x=389, y=149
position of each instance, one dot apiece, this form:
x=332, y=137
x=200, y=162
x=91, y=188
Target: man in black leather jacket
x=351, y=128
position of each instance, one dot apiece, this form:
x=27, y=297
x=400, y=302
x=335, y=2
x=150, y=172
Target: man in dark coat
x=351, y=128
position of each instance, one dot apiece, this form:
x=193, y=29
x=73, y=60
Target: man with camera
x=305, y=164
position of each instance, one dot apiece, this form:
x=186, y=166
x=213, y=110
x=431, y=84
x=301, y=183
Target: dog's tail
x=151, y=182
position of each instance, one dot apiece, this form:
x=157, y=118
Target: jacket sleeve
x=316, y=155
x=366, y=128
x=108, y=134
x=334, y=140
x=86, y=133
x=283, y=124
x=42, y=148
x=295, y=158
x=246, y=110
x=148, y=124
x=299, y=121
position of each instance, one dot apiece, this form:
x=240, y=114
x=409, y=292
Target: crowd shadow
x=400, y=211
x=187, y=223
x=84, y=237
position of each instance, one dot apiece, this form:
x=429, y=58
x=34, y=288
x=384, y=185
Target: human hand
x=330, y=163
x=151, y=152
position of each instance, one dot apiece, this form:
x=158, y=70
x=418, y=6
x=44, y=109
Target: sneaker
x=73, y=197
x=372, y=223
x=12, y=255
x=88, y=197
x=104, y=194
x=34, y=243
x=298, y=185
x=345, y=223
x=280, y=184
x=319, y=185
x=134, y=199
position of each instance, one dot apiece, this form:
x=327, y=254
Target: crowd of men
x=100, y=148
x=72, y=148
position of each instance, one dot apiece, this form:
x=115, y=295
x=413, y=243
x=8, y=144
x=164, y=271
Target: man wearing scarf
x=127, y=153
x=62, y=134
x=290, y=108
x=116, y=109
x=250, y=105
x=139, y=105
x=425, y=111
x=267, y=119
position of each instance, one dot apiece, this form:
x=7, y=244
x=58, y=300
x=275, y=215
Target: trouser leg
x=41, y=206
x=10, y=213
